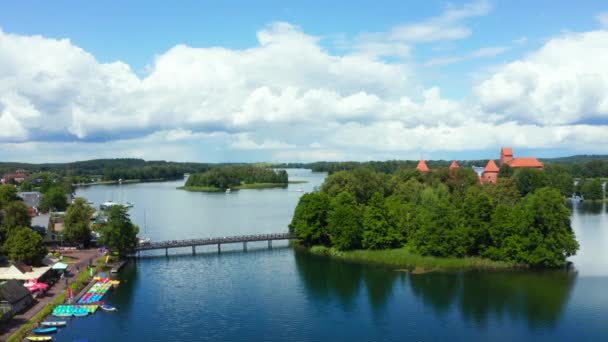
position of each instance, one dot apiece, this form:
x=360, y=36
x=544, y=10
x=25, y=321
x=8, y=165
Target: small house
x=14, y=298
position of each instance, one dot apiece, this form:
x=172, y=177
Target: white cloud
x=447, y=26
x=563, y=82
x=244, y=142
x=479, y=53
x=289, y=99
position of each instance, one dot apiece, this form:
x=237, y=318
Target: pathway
x=81, y=261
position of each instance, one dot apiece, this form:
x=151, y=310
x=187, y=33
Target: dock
x=117, y=267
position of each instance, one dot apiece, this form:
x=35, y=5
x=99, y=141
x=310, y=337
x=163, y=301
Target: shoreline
x=127, y=181
x=38, y=313
x=193, y=188
x=402, y=259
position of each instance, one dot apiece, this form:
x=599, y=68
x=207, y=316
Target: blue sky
x=301, y=81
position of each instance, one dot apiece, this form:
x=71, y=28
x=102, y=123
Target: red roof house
x=422, y=167
x=506, y=155
x=454, y=165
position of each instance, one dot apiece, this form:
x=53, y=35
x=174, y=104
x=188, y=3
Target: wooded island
x=522, y=220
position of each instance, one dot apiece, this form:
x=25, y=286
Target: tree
x=309, y=220
x=528, y=180
x=505, y=171
x=592, y=190
x=119, y=233
x=8, y=193
x=54, y=200
x=77, y=222
x=25, y=245
x=548, y=238
x=16, y=214
x=476, y=215
x=344, y=222
x=377, y=231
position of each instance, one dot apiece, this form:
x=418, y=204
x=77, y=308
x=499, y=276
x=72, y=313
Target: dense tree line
x=591, y=166
x=522, y=219
x=231, y=176
x=110, y=169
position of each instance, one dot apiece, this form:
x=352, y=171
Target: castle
x=490, y=172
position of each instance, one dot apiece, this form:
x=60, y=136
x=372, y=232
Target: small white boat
x=300, y=190
x=106, y=307
x=228, y=191
x=54, y=323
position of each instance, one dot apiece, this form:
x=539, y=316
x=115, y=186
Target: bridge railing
x=214, y=240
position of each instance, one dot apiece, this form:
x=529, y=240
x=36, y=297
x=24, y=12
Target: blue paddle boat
x=43, y=331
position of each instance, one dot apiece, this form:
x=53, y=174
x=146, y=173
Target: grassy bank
x=128, y=181
x=240, y=187
x=297, y=182
x=403, y=258
x=81, y=282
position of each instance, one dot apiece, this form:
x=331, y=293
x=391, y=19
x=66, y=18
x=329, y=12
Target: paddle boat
x=43, y=331
x=54, y=323
x=106, y=307
x=39, y=338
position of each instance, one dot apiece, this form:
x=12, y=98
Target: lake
x=287, y=295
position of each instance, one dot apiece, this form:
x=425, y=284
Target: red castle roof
x=491, y=167
x=454, y=165
x=507, y=151
x=526, y=162
x=422, y=167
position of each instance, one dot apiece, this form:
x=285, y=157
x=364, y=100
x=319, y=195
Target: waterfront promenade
x=81, y=261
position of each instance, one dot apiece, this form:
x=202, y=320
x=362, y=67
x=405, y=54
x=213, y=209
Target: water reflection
x=537, y=298
x=327, y=279
x=589, y=208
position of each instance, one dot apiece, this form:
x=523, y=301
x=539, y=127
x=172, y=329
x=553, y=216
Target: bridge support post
x=269, y=244
x=219, y=249
x=193, y=250
x=245, y=246
x=166, y=252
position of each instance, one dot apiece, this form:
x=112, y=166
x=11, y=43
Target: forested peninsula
x=440, y=219
x=236, y=177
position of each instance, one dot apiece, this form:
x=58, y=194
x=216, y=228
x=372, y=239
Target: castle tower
x=490, y=173
x=422, y=167
x=506, y=155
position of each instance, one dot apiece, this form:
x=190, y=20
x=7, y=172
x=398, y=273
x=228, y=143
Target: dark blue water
x=282, y=294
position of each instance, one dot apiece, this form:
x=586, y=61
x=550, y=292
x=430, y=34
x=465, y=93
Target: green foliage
x=77, y=222
x=505, y=171
x=528, y=180
x=233, y=176
x=24, y=244
x=54, y=199
x=8, y=194
x=309, y=220
x=15, y=214
x=560, y=178
x=443, y=213
x=378, y=233
x=344, y=222
x=592, y=190
x=119, y=234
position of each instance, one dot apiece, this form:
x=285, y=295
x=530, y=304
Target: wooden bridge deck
x=214, y=241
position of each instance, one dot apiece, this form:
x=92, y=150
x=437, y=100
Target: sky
x=301, y=81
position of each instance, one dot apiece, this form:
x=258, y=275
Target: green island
x=441, y=219
x=236, y=177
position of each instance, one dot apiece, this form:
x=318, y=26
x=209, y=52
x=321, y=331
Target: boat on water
x=44, y=331
x=39, y=338
x=300, y=190
x=109, y=204
x=106, y=307
x=228, y=191
x=54, y=323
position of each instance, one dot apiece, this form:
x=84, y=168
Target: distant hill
x=578, y=159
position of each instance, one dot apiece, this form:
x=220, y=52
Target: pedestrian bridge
x=219, y=241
